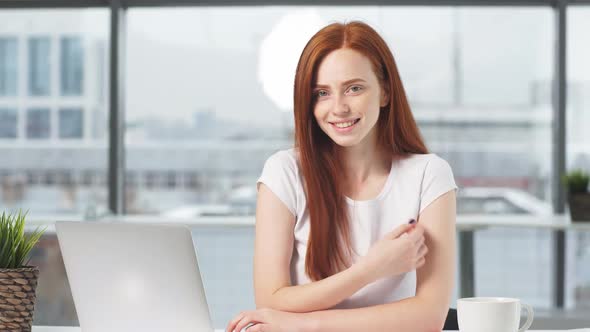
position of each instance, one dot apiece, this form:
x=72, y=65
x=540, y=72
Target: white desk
x=77, y=329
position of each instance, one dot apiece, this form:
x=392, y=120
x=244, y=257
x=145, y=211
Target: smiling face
x=348, y=98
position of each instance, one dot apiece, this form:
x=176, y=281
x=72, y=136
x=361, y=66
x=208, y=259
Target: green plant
x=576, y=181
x=15, y=244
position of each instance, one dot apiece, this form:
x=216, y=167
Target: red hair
x=328, y=247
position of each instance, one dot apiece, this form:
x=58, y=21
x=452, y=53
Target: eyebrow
x=343, y=83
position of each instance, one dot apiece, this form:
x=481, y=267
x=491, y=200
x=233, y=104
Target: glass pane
x=71, y=123
x=54, y=165
x=218, y=103
x=499, y=253
x=38, y=123
x=8, y=66
x=495, y=132
x=578, y=140
x=39, y=66
x=72, y=66
x=8, y=123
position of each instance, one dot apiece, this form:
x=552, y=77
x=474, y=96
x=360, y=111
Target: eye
x=356, y=88
x=321, y=93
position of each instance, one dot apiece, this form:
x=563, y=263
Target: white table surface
x=77, y=329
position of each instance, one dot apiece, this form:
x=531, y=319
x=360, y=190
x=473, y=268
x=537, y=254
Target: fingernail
x=412, y=221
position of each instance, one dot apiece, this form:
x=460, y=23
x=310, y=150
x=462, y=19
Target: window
x=8, y=123
x=193, y=148
x=38, y=123
x=87, y=178
x=49, y=178
x=195, y=115
x=150, y=180
x=39, y=66
x=495, y=132
x=65, y=178
x=578, y=141
x=8, y=66
x=131, y=179
x=71, y=123
x=71, y=66
x=191, y=180
x=59, y=52
x=171, y=181
x=47, y=56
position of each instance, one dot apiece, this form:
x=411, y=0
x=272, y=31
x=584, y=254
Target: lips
x=344, y=121
x=349, y=128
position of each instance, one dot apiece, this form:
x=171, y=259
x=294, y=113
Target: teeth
x=344, y=124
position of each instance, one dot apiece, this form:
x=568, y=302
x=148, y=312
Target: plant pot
x=579, y=206
x=17, y=298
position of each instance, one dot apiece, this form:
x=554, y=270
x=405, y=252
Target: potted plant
x=18, y=280
x=578, y=195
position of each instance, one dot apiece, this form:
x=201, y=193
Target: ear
x=384, y=97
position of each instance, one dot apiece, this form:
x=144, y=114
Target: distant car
x=199, y=210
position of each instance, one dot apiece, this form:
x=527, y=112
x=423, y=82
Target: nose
x=340, y=105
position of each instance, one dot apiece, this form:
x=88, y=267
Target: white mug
x=492, y=314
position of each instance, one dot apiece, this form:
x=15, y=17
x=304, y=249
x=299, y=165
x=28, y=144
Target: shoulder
x=425, y=168
x=282, y=165
x=431, y=173
x=285, y=160
x=280, y=174
x=428, y=162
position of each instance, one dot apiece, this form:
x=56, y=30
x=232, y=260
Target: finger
x=416, y=233
x=420, y=262
x=258, y=328
x=420, y=241
x=242, y=324
x=232, y=324
x=250, y=327
x=251, y=317
x=422, y=251
x=398, y=231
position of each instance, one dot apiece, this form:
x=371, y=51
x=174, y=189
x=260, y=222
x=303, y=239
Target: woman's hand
x=269, y=320
x=395, y=254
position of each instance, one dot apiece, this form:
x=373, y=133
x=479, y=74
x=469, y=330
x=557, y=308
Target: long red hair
x=329, y=244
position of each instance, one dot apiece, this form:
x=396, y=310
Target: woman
x=345, y=219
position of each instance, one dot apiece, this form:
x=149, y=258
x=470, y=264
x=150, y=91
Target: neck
x=363, y=161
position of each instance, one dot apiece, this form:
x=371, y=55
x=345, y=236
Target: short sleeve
x=438, y=179
x=280, y=176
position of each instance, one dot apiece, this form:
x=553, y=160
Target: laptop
x=129, y=277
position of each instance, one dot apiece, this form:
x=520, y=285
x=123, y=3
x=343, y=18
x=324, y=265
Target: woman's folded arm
x=424, y=312
x=272, y=258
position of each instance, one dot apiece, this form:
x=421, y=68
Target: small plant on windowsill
x=578, y=196
x=18, y=280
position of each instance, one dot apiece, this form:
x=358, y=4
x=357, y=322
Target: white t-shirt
x=413, y=183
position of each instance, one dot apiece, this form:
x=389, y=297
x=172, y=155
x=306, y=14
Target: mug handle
x=530, y=314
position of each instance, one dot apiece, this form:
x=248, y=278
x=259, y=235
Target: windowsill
x=464, y=222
